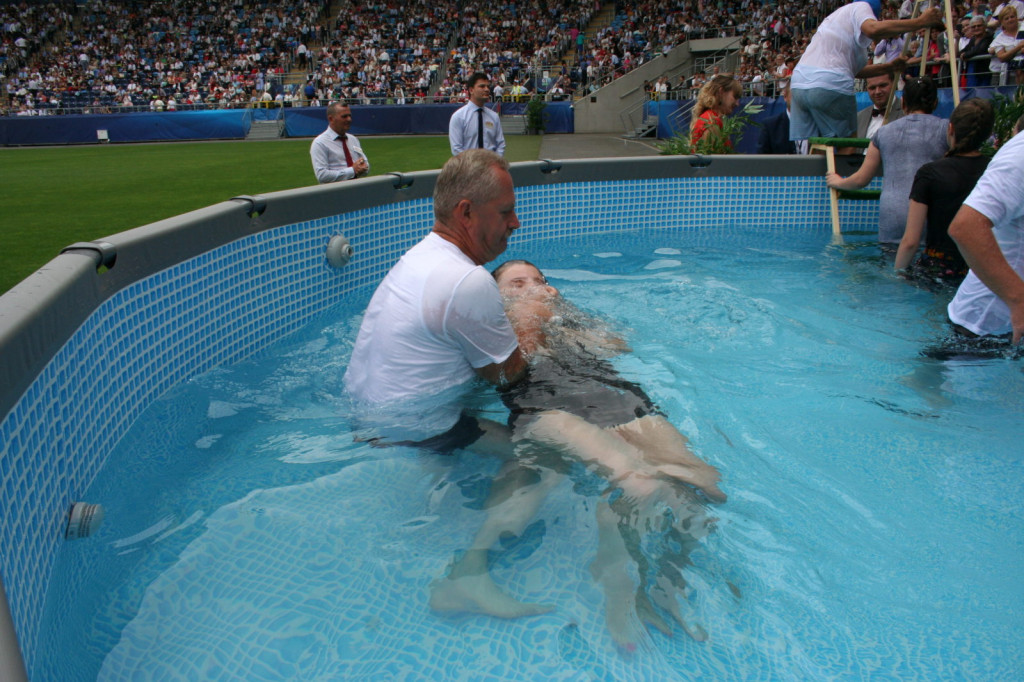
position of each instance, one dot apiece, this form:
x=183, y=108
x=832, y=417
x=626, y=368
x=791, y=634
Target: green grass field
x=56, y=196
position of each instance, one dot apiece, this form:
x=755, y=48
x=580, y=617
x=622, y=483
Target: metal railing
x=637, y=118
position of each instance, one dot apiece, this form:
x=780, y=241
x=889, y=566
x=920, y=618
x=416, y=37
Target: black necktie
x=877, y=112
x=480, y=128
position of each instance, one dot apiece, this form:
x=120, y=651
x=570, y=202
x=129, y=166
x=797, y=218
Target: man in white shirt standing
x=435, y=324
x=437, y=321
x=823, y=102
x=336, y=153
x=989, y=229
x=474, y=126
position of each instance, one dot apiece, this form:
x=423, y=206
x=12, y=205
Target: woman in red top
x=717, y=98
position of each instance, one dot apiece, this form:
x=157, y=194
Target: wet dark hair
x=920, y=94
x=501, y=268
x=972, y=123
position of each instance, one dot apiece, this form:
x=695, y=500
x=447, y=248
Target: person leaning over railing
x=932, y=61
x=823, y=100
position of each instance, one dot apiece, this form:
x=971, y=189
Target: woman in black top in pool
x=574, y=408
x=938, y=192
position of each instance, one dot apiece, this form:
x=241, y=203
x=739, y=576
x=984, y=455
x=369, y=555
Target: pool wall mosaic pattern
x=235, y=300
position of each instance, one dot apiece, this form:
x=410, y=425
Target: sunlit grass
x=56, y=196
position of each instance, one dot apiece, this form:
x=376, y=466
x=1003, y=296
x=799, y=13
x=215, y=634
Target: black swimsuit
x=580, y=384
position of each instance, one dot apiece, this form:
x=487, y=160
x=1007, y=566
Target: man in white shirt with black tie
x=869, y=120
x=336, y=153
x=474, y=125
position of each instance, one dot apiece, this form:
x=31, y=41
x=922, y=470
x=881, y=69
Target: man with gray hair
x=437, y=321
x=434, y=324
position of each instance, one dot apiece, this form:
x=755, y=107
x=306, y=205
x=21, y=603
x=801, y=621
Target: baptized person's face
x=520, y=281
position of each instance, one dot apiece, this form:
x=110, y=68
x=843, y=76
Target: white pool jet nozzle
x=83, y=520
x=339, y=251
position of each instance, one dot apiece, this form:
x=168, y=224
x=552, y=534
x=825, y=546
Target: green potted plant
x=1008, y=111
x=535, y=115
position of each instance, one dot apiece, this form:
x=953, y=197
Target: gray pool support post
x=39, y=315
x=12, y=667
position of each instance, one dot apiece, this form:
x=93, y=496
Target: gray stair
x=265, y=130
x=647, y=129
x=513, y=125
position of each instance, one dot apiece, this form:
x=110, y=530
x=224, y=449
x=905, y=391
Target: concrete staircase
x=602, y=19
x=513, y=125
x=299, y=77
x=266, y=130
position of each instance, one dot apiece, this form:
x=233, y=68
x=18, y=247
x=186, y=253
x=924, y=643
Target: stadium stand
x=98, y=56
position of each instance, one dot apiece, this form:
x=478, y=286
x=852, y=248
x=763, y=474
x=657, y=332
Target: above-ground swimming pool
x=872, y=531
x=259, y=542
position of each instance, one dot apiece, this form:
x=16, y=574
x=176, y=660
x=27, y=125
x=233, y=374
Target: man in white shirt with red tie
x=336, y=153
x=474, y=126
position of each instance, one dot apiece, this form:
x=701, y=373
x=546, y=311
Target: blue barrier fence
x=412, y=119
x=409, y=119
x=140, y=127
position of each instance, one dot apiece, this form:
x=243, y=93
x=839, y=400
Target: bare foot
x=649, y=615
x=479, y=594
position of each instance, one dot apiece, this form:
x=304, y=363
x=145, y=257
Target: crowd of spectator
x=26, y=28
x=168, y=54
x=382, y=51
x=516, y=44
x=159, y=54
x=766, y=32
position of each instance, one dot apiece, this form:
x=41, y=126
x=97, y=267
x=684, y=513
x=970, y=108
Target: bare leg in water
x=629, y=455
x=664, y=448
x=516, y=494
x=646, y=459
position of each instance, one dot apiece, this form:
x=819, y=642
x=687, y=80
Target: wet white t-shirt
x=434, y=318
x=999, y=196
x=838, y=51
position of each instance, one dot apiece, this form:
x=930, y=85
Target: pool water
x=873, y=530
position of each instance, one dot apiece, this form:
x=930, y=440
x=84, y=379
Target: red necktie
x=348, y=154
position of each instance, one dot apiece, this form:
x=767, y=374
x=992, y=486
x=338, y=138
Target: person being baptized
x=574, y=401
x=574, y=409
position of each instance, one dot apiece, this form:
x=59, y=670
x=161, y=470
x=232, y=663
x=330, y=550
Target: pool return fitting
x=83, y=520
x=339, y=251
